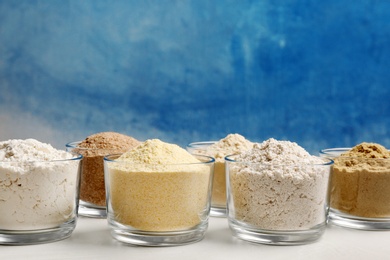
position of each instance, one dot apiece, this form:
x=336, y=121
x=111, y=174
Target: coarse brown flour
x=94, y=148
x=277, y=185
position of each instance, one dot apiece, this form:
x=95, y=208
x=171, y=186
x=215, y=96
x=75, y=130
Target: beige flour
x=38, y=185
x=94, y=148
x=231, y=144
x=361, y=181
x=158, y=186
x=278, y=186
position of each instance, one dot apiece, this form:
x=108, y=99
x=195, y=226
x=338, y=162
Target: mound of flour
x=16, y=150
x=36, y=191
x=279, y=186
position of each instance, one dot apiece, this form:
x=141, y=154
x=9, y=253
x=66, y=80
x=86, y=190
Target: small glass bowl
x=360, y=193
x=38, y=200
x=277, y=204
x=92, y=188
x=218, y=196
x=158, y=205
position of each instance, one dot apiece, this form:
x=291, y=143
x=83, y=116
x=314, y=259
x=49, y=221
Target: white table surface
x=92, y=240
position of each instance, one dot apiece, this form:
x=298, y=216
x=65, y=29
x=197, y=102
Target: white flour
x=279, y=188
x=35, y=191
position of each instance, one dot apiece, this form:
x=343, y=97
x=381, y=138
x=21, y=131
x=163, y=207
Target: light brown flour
x=361, y=181
x=231, y=144
x=159, y=187
x=94, y=148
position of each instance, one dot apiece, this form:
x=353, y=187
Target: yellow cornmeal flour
x=159, y=187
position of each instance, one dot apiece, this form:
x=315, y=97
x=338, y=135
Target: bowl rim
x=210, y=160
x=75, y=157
x=327, y=162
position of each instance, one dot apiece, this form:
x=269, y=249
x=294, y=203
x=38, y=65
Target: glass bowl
x=38, y=200
x=277, y=204
x=218, y=196
x=360, y=193
x=158, y=205
x=92, y=188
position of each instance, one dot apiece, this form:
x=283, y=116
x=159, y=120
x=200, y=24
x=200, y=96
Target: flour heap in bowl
x=277, y=185
x=231, y=144
x=38, y=185
x=361, y=181
x=158, y=186
x=94, y=148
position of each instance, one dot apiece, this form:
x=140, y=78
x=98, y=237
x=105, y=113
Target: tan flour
x=94, y=148
x=361, y=181
x=158, y=186
x=231, y=144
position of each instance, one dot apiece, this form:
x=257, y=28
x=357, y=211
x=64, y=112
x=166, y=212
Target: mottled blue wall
x=302, y=70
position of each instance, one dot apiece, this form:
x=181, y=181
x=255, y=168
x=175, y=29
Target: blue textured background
x=312, y=72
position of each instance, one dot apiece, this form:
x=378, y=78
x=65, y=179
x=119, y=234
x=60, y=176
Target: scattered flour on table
x=279, y=187
x=35, y=191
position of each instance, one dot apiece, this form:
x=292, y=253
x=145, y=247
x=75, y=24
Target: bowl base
x=156, y=239
x=272, y=237
x=218, y=212
x=348, y=221
x=31, y=237
x=91, y=210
